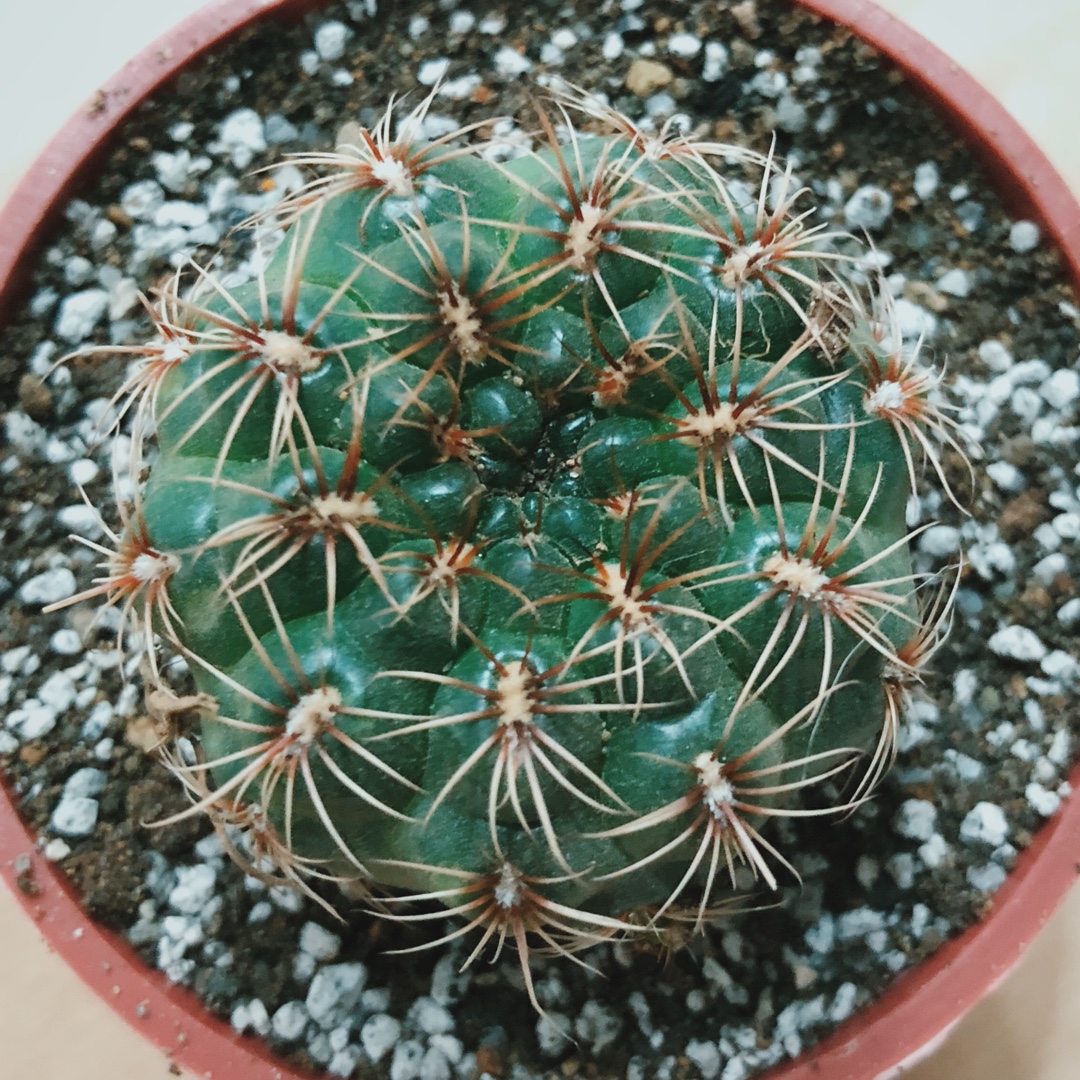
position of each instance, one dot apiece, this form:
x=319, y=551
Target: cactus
x=534, y=531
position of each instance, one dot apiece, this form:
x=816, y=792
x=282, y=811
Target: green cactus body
x=533, y=531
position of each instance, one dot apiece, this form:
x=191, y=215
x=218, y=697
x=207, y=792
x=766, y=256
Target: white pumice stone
x=705, y=1056
x=56, y=850
x=405, y=1064
x=597, y=1026
x=1061, y=389
x=75, y=817
x=85, y=783
x=858, y=922
x=241, y=136
x=552, y=1033
x=684, y=45
x=985, y=823
x=987, y=878
x=843, y=1003
x=450, y=1046
x=460, y=89
x=344, y=1062
x=1023, y=236
x=194, y=888
x=1046, y=536
x=915, y=819
x=613, y=46
x=1067, y=526
x=82, y=519
x=510, y=63
x=995, y=356
x=334, y=992
x=430, y=1017
x=955, y=282
x=1060, y=665
x=318, y=942
x=461, y=22
x=260, y=912
x=80, y=313
x=48, y=588
x=379, y=1035
x=1017, y=643
x=259, y=1017
x=869, y=208
x=434, y=1065
x=1058, y=753
x=913, y=320
x=431, y=71
x=791, y=115
x=331, y=39
x=289, y=1022
x=1006, y=476
x=717, y=58
x=935, y=851
x=1041, y=800
x=927, y=179
x=940, y=540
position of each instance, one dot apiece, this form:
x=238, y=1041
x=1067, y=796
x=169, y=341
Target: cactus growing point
x=534, y=531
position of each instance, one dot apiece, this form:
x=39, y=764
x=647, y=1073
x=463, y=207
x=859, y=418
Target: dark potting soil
x=983, y=754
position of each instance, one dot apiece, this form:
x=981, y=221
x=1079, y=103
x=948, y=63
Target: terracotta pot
x=922, y=1006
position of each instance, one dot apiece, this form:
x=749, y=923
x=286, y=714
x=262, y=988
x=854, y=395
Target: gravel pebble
x=289, y=1022
x=1023, y=236
x=869, y=208
x=194, y=888
x=334, y=992
x=48, y=588
x=75, y=817
x=916, y=819
x=318, y=942
x=705, y=1056
x=85, y=783
x=1017, y=643
x=331, y=37
x=1040, y=800
x=985, y=823
x=379, y=1033
x=80, y=313
x=241, y=136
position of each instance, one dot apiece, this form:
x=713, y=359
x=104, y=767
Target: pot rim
x=918, y=1010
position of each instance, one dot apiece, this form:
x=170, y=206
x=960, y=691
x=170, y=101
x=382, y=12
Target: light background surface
x=52, y=56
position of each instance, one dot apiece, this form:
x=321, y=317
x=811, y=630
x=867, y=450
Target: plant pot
x=906, y=1022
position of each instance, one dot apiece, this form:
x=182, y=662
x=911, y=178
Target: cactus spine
x=534, y=532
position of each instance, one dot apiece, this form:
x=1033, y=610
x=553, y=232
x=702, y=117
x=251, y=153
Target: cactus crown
x=534, y=531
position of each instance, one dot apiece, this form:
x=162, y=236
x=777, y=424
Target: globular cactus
x=534, y=531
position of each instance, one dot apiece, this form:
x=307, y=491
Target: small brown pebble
x=1020, y=516
x=31, y=755
x=35, y=397
x=117, y=216
x=645, y=76
x=746, y=15
x=1035, y=598
x=490, y=1061
x=1020, y=451
x=919, y=292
